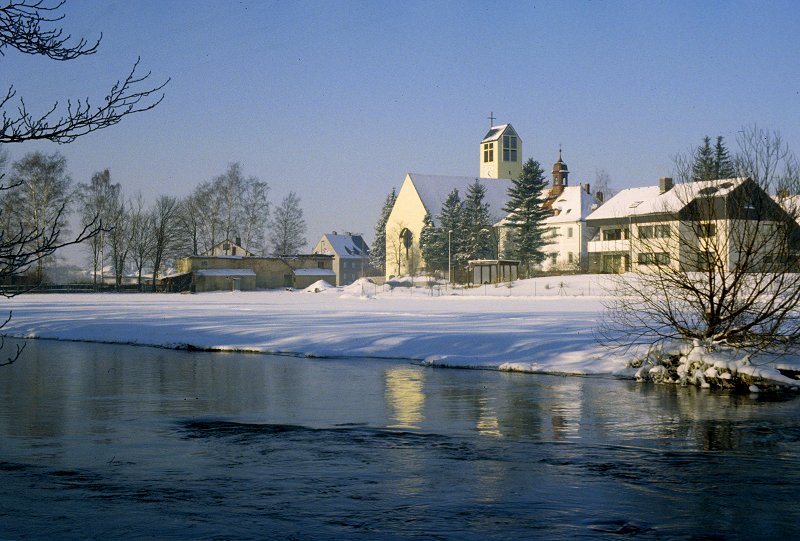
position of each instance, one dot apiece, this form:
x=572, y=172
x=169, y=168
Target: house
x=682, y=225
x=213, y=273
x=228, y=247
x=500, y=159
x=567, y=232
x=350, y=255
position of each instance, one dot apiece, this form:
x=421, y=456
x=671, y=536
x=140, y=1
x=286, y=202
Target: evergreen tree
x=377, y=254
x=703, y=166
x=723, y=166
x=526, y=215
x=430, y=243
x=451, y=232
x=712, y=163
x=477, y=224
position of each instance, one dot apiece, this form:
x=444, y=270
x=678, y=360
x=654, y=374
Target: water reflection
x=379, y=449
x=405, y=397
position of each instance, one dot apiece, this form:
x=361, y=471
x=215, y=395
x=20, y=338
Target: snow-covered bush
x=706, y=365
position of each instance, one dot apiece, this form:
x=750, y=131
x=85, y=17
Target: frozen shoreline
x=545, y=325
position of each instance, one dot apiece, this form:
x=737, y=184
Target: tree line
x=134, y=235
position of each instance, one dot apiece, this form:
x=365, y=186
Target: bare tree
x=228, y=207
x=164, y=231
x=99, y=199
x=30, y=27
x=38, y=202
x=718, y=261
x=287, y=227
x=140, y=227
x=118, y=239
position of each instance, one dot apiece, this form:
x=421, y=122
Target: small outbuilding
x=493, y=271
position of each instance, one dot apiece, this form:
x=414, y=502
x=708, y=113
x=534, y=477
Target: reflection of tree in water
x=711, y=421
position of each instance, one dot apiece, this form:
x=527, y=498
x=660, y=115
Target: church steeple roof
x=560, y=171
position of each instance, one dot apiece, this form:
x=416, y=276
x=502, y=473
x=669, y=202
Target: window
x=488, y=152
x=321, y=264
x=650, y=258
x=570, y=257
x=707, y=230
x=569, y=233
x=704, y=261
x=615, y=234
x=662, y=231
x=553, y=258
x=509, y=148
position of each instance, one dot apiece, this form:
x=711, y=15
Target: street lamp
x=449, y=255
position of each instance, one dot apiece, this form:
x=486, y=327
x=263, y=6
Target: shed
x=492, y=271
x=223, y=279
x=302, y=278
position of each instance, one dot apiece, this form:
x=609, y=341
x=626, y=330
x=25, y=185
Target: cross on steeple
x=491, y=119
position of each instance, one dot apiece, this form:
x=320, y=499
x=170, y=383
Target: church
x=500, y=160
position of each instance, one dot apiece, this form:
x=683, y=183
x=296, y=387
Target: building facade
x=350, y=256
x=213, y=273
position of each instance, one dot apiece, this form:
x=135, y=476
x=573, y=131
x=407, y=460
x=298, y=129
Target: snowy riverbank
x=540, y=325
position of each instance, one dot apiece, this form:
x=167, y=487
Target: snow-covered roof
x=346, y=246
x=572, y=205
x=650, y=200
x=314, y=272
x=434, y=189
x=495, y=132
x=225, y=272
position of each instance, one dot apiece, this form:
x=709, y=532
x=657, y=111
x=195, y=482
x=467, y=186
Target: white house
x=680, y=225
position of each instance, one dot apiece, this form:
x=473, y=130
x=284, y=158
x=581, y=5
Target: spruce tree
x=712, y=163
x=723, y=166
x=430, y=244
x=377, y=254
x=451, y=232
x=477, y=223
x=703, y=167
x=526, y=215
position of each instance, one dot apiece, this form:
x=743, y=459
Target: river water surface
x=120, y=442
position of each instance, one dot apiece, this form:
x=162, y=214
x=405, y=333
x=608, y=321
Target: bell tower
x=500, y=152
x=560, y=175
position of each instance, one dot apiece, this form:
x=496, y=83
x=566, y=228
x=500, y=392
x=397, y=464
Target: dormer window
x=510, y=148
x=488, y=152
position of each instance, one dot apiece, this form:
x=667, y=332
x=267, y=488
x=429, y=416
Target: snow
x=434, y=189
x=346, y=246
x=539, y=325
x=650, y=200
x=573, y=205
x=318, y=286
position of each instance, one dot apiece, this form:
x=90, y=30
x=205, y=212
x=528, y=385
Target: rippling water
x=123, y=442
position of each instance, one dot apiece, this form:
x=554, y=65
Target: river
x=119, y=442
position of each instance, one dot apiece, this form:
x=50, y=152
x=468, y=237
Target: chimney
x=334, y=233
x=664, y=184
x=238, y=241
x=586, y=188
x=599, y=196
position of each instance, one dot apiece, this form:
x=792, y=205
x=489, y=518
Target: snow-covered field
x=538, y=325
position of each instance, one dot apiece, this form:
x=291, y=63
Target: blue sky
x=338, y=100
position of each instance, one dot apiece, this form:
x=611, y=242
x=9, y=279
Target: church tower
x=501, y=153
x=560, y=176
